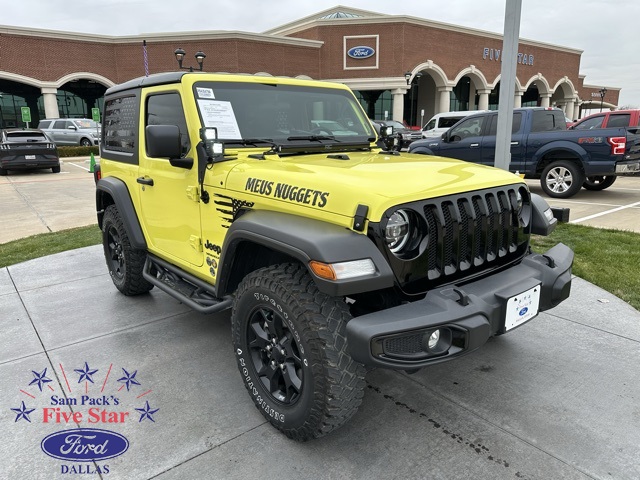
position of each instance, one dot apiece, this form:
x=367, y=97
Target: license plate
x=30, y=157
x=522, y=308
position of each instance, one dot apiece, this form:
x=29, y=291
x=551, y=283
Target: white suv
x=71, y=131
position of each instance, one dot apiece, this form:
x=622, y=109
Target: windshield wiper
x=312, y=138
x=253, y=142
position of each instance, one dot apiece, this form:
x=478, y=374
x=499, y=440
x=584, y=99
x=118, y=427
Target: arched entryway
x=77, y=97
x=14, y=96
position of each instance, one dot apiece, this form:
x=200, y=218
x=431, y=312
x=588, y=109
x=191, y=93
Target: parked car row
x=541, y=147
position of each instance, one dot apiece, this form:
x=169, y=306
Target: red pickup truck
x=619, y=118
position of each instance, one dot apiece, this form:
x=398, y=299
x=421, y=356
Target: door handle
x=474, y=145
x=515, y=143
x=145, y=181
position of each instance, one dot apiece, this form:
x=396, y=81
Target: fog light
x=437, y=342
x=433, y=340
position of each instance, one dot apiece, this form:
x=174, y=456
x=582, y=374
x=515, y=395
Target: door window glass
x=166, y=109
x=471, y=127
x=590, y=123
x=619, y=120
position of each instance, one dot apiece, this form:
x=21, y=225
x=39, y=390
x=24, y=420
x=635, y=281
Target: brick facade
x=315, y=48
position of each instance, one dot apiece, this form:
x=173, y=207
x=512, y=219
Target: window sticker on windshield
x=219, y=114
x=205, y=92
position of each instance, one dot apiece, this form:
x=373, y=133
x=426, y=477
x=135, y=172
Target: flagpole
x=146, y=58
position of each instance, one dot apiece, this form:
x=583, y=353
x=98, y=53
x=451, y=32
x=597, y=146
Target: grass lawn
x=609, y=259
x=48, y=243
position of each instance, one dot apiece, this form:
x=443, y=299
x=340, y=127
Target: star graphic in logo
x=146, y=412
x=23, y=412
x=40, y=378
x=129, y=379
x=85, y=374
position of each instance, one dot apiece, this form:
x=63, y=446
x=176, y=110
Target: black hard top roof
x=151, y=80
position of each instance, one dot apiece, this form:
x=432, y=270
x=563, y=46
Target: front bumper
x=470, y=314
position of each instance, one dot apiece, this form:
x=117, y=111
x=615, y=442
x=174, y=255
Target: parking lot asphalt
x=556, y=398
x=38, y=201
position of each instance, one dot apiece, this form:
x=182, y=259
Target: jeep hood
x=377, y=180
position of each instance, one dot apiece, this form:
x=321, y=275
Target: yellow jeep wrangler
x=270, y=196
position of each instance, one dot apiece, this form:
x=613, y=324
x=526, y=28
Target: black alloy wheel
x=275, y=355
x=291, y=350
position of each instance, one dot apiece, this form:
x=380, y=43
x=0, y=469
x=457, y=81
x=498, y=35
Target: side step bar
x=183, y=286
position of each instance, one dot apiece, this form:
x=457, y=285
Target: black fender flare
x=117, y=190
x=540, y=223
x=306, y=239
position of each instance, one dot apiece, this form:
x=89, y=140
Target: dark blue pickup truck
x=542, y=147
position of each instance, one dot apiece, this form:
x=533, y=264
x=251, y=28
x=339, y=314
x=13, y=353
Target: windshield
x=26, y=137
x=86, y=124
x=284, y=114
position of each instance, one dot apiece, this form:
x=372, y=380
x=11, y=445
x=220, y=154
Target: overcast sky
x=606, y=30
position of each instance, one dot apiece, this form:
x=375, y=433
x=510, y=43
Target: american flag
x=146, y=59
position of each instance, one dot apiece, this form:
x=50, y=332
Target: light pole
x=603, y=92
x=180, y=53
x=413, y=82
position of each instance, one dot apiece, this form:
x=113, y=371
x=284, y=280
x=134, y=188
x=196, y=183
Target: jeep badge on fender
x=269, y=196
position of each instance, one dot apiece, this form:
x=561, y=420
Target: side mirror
x=72, y=127
x=163, y=141
x=212, y=146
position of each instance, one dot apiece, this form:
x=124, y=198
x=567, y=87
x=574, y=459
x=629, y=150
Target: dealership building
x=400, y=67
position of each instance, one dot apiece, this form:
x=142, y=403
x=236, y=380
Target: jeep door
x=463, y=140
x=168, y=194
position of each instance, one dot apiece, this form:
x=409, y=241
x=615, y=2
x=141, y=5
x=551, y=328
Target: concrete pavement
x=558, y=398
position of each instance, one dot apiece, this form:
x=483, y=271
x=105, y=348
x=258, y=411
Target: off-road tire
x=321, y=386
x=125, y=263
x=85, y=142
x=599, y=183
x=562, y=179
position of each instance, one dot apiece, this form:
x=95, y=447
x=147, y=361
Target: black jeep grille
x=468, y=234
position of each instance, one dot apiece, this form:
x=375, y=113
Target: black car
x=25, y=149
x=408, y=135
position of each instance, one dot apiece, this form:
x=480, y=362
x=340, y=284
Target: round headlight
x=397, y=230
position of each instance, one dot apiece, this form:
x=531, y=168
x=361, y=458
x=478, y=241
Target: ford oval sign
x=361, y=52
x=84, y=445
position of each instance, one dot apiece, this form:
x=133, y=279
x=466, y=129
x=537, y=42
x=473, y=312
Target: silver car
x=71, y=131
